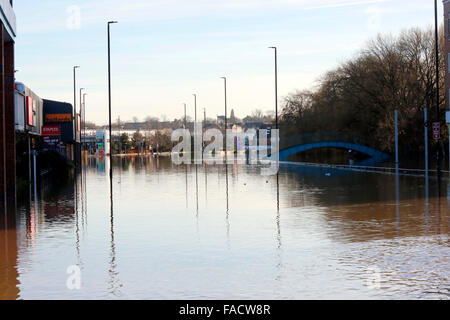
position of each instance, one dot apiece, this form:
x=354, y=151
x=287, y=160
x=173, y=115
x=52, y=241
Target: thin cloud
x=346, y=4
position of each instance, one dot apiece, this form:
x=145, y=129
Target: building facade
x=7, y=116
x=59, y=127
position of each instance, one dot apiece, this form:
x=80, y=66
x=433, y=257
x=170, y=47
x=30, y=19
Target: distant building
x=255, y=125
x=58, y=127
x=220, y=120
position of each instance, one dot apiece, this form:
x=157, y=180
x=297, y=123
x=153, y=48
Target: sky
x=163, y=51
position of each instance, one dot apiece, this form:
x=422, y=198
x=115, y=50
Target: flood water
x=217, y=232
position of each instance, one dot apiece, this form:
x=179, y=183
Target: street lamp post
x=109, y=97
x=75, y=111
x=226, y=112
x=276, y=86
x=84, y=119
x=81, y=104
x=185, y=120
x=81, y=112
x=438, y=116
x=195, y=106
x=204, y=118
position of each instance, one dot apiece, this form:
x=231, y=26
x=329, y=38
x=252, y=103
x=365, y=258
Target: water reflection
x=186, y=170
x=227, y=214
x=9, y=275
x=278, y=212
x=114, y=282
x=304, y=233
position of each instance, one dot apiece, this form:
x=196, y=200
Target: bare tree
x=360, y=96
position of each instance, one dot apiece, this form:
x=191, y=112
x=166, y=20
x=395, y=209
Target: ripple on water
x=410, y=268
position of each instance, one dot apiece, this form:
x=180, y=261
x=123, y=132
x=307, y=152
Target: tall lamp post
x=185, y=120
x=84, y=119
x=109, y=96
x=75, y=111
x=204, y=118
x=276, y=120
x=226, y=112
x=81, y=104
x=276, y=86
x=79, y=129
x=438, y=116
x=195, y=106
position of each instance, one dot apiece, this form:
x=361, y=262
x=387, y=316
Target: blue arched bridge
x=290, y=146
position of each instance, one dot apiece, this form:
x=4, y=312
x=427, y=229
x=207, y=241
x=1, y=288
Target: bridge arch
x=371, y=152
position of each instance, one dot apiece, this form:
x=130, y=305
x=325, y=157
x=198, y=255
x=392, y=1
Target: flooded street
x=211, y=232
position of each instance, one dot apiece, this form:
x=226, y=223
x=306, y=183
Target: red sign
x=51, y=130
x=30, y=114
x=436, y=130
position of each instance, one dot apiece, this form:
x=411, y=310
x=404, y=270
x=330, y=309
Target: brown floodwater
x=216, y=232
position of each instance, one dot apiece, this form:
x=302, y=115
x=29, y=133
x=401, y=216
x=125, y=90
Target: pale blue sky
x=165, y=50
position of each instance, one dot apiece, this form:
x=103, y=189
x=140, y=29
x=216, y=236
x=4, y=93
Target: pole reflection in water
x=278, y=212
x=85, y=197
x=278, y=192
x=397, y=198
x=228, y=204
x=438, y=211
x=206, y=184
x=279, y=265
x=196, y=187
x=427, y=202
x=9, y=253
x=186, y=171
x=114, y=284
x=82, y=194
x=34, y=214
x=448, y=201
x=77, y=223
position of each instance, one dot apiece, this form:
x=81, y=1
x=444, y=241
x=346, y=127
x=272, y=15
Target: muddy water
x=211, y=232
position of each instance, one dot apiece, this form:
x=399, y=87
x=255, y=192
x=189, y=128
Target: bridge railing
x=287, y=142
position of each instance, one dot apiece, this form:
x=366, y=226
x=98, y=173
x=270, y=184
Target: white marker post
x=447, y=118
x=396, y=138
x=426, y=140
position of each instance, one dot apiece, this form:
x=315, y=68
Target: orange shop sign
x=58, y=117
